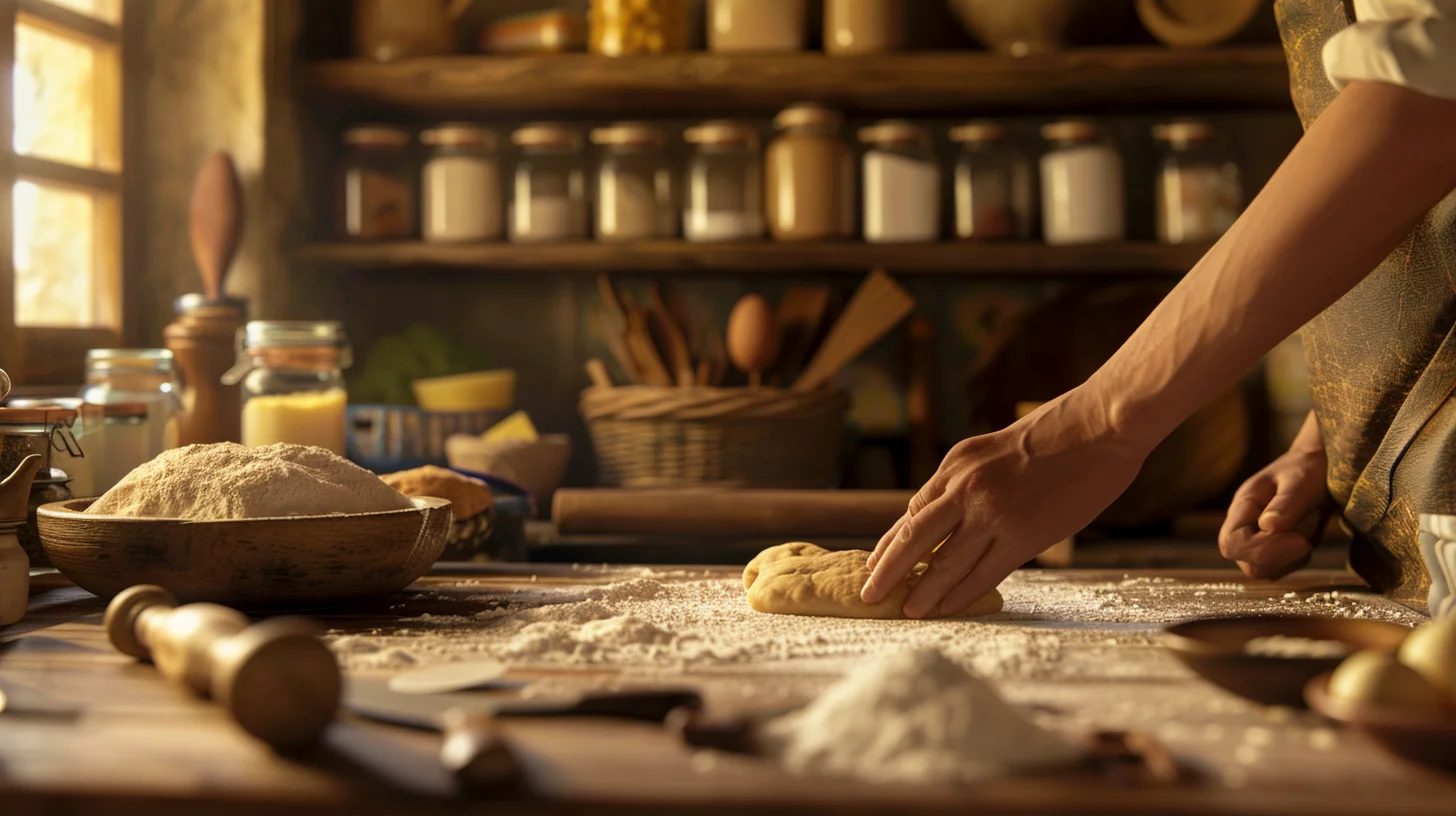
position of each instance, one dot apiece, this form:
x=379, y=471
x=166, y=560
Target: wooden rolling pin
x=719, y=512
x=279, y=682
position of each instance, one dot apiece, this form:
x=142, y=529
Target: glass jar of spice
x=901, y=184
x=1198, y=194
x=460, y=184
x=1081, y=185
x=993, y=184
x=292, y=374
x=548, y=189
x=146, y=376
x=809, y=177
x=376, y=188
x=635, y=198
x=724, y=183
x=619, y=28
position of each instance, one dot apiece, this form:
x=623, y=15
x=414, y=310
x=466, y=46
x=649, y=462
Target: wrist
x=1086, y=416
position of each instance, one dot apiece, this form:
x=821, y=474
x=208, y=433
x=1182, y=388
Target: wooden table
x=93, y=732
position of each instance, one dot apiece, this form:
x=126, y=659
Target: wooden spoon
x=216, y=221
x=752, y=340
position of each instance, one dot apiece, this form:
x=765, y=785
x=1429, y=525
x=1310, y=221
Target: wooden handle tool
x=878, y=306
x=596, y=370
x=675, y=341
x=216, y=221
x=279, y=682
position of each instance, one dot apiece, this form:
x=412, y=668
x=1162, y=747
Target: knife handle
x=475, y=752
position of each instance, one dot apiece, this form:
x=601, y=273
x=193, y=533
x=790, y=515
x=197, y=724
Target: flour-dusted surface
x=229, y=481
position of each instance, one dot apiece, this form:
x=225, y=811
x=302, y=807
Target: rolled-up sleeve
x=1404, y=42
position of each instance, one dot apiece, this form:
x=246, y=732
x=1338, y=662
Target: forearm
x=1371, y=166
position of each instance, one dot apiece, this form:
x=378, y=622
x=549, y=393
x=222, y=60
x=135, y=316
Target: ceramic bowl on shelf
x=476, y=391
x=1028, y=27
x=538, y=467
x=255, y=565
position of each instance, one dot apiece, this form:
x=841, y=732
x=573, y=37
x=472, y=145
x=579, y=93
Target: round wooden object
x=122, y=613
x=182, y=640
x=278, y=681
x=216, y=221
x=752, y=338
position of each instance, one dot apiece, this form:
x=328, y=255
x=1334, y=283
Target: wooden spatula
x=878, y=306
x=799, y=316
x=216, y=221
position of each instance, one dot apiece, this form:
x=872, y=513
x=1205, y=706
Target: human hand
x=1000, y=499
x=1276, y=516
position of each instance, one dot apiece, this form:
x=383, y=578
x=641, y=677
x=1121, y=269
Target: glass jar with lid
x=376, y=185
x=635, y=197
x=901, y=178
x=724, y=183
x=1198, y=193
x=993, y=184
x=1081, y=185
x=548, y=189
x=756, y=26
x=146, y=376
x=809, y=177
x=292, y=375
x=460, y=184
x=863, y=26
x=618, y=28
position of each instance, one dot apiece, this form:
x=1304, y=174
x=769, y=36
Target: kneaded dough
x=800, y=578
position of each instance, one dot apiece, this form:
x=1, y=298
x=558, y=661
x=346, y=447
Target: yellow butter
x=515, y=428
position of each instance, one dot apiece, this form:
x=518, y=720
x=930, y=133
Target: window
x=60, y=259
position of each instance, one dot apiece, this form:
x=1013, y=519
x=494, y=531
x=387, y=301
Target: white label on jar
x=462, y=199
x=901, y=198
x=1082, y=198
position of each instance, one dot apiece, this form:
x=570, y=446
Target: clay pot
x=1026, y=27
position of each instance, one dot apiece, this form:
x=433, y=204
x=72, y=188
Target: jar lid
x=291, y=334
x=64, y=403
x=33, y=416
x=130, y=361
x=722, y=132
x=807, y=115
x=460, y=134
x=196, y=301
x=1071, y=130
x=979, y=130
x=376, y=136
x=114, y=410
x=894, y=132
x=546, y=134
x=1183, y=131
x=629, y=134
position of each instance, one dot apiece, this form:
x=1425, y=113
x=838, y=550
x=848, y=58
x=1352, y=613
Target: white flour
x=913, y=716
x=229, y=481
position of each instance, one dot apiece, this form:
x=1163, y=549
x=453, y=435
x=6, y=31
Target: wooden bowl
x=1415, y=734
x=1214, y=649
x=256, y=565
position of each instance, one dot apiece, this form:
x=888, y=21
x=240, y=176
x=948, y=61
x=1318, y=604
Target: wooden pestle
x=279, y=682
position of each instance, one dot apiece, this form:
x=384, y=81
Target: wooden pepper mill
x=203, y=338
x=279, y=682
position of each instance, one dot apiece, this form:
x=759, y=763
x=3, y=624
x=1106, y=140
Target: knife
x=473, y=749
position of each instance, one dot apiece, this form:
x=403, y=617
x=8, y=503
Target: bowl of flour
x=281, y=527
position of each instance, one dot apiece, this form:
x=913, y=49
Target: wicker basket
x=646, y=436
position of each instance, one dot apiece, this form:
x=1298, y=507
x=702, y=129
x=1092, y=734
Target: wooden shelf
x=768, y=258
x=943, y=82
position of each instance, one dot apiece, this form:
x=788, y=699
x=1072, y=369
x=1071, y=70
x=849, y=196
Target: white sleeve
x=1403, y=42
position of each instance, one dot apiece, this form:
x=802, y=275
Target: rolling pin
x=722, y=512
x=279, y=682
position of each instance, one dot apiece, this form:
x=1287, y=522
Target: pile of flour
x=913, y=716
x=229, y=481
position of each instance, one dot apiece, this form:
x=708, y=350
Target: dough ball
x=1377, y=677
x=799, y=578
x=1431, y=651
x=468, y=497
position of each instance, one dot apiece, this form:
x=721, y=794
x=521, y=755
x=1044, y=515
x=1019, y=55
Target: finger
x=947, y=567
x=992, y=568
x=1278, y=555
x=1248, y=503
x=920, y=534
x=1296, y=496
x=885, y=541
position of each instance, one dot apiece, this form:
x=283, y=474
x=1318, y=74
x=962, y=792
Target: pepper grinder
x=14, y=565
x=279, y=682
x=203, y=337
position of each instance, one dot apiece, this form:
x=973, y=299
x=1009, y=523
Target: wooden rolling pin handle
x=475, y=752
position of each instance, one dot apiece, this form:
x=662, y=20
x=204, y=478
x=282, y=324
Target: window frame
x=42, y=355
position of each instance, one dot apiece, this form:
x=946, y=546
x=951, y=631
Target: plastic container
x=901, y=179
x=809, y=177
x=461, y=185
x=993, y=185
x=1199, y=194
x=548, y=188
x=635, y=197
x=724, y=183
x=1081, y=185
x=292, y=373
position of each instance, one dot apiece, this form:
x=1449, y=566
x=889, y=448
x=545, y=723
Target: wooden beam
x=12, y=348
x=945, y=82
x=66, y=175
x=64, y=20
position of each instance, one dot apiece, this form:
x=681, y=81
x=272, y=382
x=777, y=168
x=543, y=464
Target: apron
x=1382, y=361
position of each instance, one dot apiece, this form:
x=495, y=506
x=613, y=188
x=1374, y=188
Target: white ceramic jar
x=461, y=185
x=1082, y=193
x=901, y=184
